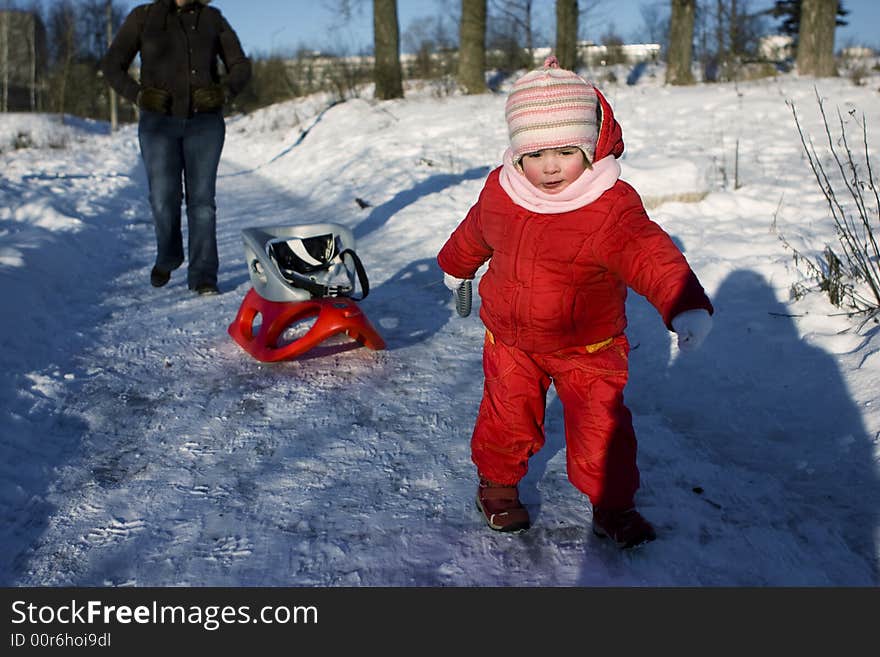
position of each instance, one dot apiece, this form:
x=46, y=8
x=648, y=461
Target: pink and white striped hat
x=550, y=108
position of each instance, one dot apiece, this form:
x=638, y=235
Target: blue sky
x=265, y=26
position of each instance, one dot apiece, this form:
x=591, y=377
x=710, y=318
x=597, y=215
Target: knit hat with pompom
x=550, y=108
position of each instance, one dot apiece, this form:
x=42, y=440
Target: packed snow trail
x=148, y=449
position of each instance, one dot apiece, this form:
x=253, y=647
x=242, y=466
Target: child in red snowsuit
x=565, y=238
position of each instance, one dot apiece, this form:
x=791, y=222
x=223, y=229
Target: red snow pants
x=599, y=436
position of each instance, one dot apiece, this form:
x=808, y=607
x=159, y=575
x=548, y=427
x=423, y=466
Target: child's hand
x=452, y=282
x=692, y=327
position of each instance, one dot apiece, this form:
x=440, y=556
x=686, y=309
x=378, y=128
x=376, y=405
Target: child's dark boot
x=626, y=527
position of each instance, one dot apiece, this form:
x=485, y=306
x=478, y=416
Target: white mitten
x=692, y=327
x=452, y=282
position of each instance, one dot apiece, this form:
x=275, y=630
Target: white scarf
x=589, y=186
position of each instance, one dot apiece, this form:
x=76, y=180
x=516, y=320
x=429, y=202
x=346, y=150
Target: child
x=565, y=238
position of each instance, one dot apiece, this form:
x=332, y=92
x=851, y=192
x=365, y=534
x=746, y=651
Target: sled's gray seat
x=296, y=263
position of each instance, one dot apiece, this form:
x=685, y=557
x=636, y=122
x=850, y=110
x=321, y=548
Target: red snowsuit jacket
x=557, y=281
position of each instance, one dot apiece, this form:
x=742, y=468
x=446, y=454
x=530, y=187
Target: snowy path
x=150, y=450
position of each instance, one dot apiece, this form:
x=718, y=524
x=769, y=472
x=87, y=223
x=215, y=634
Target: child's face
x=554, y=169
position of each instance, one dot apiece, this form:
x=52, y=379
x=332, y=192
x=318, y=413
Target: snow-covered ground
x=141, y=446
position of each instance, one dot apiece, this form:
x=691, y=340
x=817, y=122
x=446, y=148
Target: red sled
x=335, y=315
x=300, y=272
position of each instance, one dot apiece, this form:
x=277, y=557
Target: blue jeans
x=190, y=148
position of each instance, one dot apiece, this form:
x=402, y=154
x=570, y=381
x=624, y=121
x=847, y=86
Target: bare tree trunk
x=34, y=62
x=681, y=35
x=720, y=32
x=69, y=50
x=472, y=47
x=815, y=51
x=530, y=42
x=4, y=34
x=733, y=29
x=386, y=47
x=567, y=33
x=114, y=119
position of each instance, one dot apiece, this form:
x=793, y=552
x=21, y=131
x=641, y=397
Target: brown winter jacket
x=560, y=280
x=179, y=50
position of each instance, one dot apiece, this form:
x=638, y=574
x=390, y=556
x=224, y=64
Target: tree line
x=49, y=56
x=811, y=24
x=725, y=34
x=53, y=60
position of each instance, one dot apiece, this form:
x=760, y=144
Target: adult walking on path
x=181, y=129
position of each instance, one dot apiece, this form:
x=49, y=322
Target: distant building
x=22, y=60
x=312, y=70
x=780, y=47
x=857, y=52
x=593, y=54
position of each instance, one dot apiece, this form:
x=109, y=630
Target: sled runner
x=297, y=273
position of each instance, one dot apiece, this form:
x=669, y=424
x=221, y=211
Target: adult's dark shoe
x=206, y=289
x=158, y=277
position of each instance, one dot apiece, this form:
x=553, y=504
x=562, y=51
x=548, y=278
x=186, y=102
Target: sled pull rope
x=319, y=290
